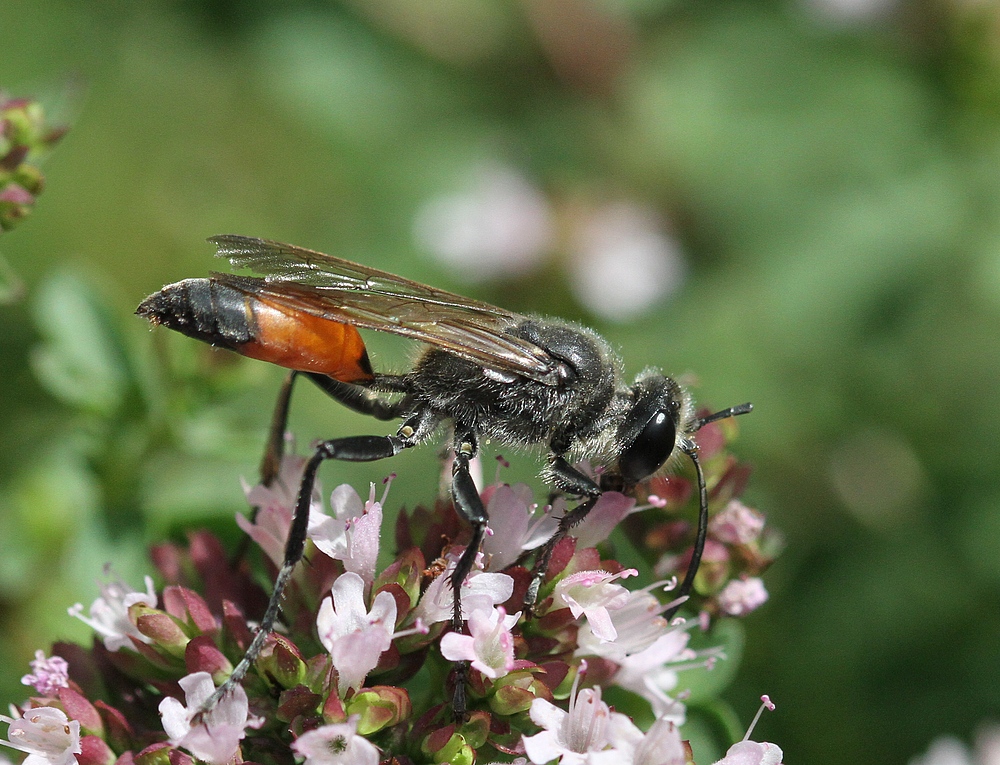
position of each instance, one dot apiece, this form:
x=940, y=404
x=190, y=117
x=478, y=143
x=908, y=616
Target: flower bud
x=296, y=702
x=407, y=572
x=93, y=751
x=202, y=655
x=155, y=754
x=162, y=628
x=281, y=660
x=446, y=745
x=379, y=707
x=80, y=709
x=514, y=692
x=190, y=608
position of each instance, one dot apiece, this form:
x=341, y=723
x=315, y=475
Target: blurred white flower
x=741, y=596
x=948, y=750
x=109, y=613
x=844, y=12
x=622, y=261
x=501, y=225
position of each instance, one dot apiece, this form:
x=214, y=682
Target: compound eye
x=650, y=449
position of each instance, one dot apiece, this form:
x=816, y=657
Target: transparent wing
x=339, y=290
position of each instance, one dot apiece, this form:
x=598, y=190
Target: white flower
x=585, y=735
x=490, y=644
x=592, y=593
x=501, y=226
x=336, y=744
x=217, y=736
x=355, y=636
x=46, y=734
x=352, y=534
x=948, y=750
x=660, y=745
x=622, y=261
x=748, y=752
x=275, y=506
x=479, y=590
x=638, y=623
x=109, y=613
x=653, y=671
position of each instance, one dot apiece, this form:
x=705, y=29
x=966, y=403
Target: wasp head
x=654, y=426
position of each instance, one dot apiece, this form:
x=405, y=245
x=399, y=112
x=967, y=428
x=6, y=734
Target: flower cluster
x=365, y=665
x=23, y=136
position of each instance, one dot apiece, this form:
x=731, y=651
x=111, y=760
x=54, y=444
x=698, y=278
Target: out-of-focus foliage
x=812, y=187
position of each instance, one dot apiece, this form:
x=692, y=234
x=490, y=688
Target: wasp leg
x=270, y=463
x=572, y=481
x=470, y=505
x=363, y=400
x=349, y=449
x=354, y=397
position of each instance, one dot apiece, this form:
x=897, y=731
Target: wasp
x=486, y=373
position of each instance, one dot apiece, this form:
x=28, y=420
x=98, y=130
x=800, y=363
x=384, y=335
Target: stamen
x=501, y=463
x=766, y=703
x=388, y=482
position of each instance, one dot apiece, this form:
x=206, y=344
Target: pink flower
x=355, y=636
x=752, y=753
x=216, y=738
x=109, y=613
x=515, y=525
x=46, y=734
x=336, y=744
x=592, y=594
x=741, y=596
x=736, y=524
x=353, y=534
x=275, y=506
x=748, y=752
x=48, y=675
x=490, y=646
x=609, y=511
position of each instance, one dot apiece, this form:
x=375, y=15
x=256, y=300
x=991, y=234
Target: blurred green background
x=800, y=202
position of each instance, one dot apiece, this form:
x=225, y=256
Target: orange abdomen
x=298, y=340
x=238, y=319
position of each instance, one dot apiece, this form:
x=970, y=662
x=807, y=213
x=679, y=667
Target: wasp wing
x=339, y=290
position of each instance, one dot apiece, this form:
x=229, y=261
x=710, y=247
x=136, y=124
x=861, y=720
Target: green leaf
x=82, y=360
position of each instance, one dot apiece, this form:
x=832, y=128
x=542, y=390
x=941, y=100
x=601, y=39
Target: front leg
x=470, y=506
x=569, y=479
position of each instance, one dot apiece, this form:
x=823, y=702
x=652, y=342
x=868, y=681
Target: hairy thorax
x=516, y=410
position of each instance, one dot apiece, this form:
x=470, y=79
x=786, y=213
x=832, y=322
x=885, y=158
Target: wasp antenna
x=699, y=542
x=733, y=411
